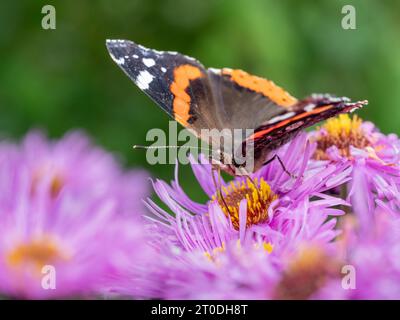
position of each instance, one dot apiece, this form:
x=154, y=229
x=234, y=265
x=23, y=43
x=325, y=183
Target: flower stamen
x=38, y=253
x=307, y=271
x=341, y=132
x=213, y=255
x=259, y=197
x=56, y=183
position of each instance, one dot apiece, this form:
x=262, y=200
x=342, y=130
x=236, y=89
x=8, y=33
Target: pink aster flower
x=242, y=271
x=67, y=211
x=270, y=206
x=374, y=159
x=271, y=210
x=234, y=271
x=372, y=255
x=311, y=270
x=376, y=258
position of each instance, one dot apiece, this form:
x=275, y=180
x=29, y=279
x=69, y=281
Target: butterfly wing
x=196, y=97
x=222, y=99
x=177, y=83
x=305, y=113
x=245, y=101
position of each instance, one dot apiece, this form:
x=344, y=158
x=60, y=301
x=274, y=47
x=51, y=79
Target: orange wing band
x=181, y=104
x=266, y=87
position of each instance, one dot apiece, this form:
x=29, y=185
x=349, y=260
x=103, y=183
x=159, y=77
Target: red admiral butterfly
x=200, y=98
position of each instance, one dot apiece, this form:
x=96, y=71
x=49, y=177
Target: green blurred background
x=63, y=79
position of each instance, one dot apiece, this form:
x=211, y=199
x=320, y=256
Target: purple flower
x=372, y=258
x=373, y=158
x=234, y=271
x=242, y=271
x=67, y=205
x=270, y=210
x=270, y=205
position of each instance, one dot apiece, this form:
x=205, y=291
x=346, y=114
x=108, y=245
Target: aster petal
x=360, y=195
x=203, y=172
x=242, y=219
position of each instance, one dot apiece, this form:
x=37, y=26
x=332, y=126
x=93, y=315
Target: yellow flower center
x=342, y=132
x=259, y=197
x=38, y=252
x=307, y=271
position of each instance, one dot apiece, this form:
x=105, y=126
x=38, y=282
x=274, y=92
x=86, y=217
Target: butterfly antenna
x=217, y=185
x=141, y=147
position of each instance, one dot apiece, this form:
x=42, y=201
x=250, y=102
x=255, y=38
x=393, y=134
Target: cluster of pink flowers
x=331, y=231
x=67, y=205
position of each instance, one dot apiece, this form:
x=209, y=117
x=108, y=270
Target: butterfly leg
x=252, y=181
x=218, y=186
x=276, y=157
x=256, y=186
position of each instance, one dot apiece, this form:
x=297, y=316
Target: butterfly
x=225, y=100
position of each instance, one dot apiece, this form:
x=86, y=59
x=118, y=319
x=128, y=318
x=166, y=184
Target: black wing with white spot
x=148, y=69
x=151, y=70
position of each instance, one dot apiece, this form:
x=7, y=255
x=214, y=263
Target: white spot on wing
x=148, y=62
x=309, y=107
x=118, y=61
x=215, y=70
x=117, y=43
x=144, y=79
x=163, y=69
x=135, y=56
x=282, y=117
